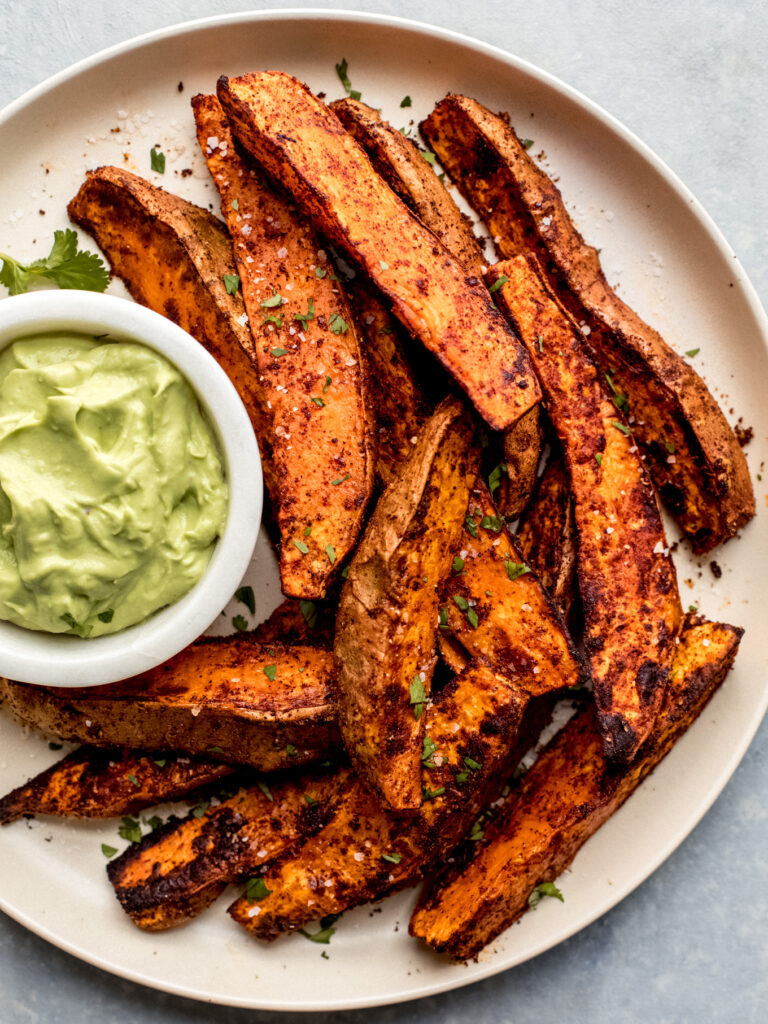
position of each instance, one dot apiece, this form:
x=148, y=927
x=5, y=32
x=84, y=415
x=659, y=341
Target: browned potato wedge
x=476, y=733
x=546, y=535
x=567, y=795
x=403, y=166
x=387, y=619
x=244, y=703
x=496, y=608
x=303, y=145
x=307, y=356
x=706, y=486
x=177, y=870
x=95, y=783
x=626, y=577
x=173, y=257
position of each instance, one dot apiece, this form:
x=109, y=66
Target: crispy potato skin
x=387, y=618
x=627, y=582
x=215, y=693
x=479, y=716
x=177, y=870
x=298, y=622
x=522, y=449
x=401, y=164
x=172, y=257
x=311, y=372
x=94, y=783
x=707, y=486
x=546, y=536
x=563, y=800
x=302, y=144
x=519, y=630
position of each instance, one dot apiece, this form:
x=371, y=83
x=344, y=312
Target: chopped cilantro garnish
x=526, y=143
x=256, y=890
x=692, y=352
x=540, y=342
x=669, y=445
x=599, y=458
x=301, y=546
x=270, y=671
x=345, y=572
x=337, y=324
x=65, y=266
x=274, y=300
x=154, y=822
x=308, y=529
x=318, y=402
x=108, y=851
x=341, y=71
x=326, y=930
x=55, y=746
x=130, y=830
x=245, y=596
x=429, y=157
x=620, y=426
x=277, y=352
x=341, y=480
x=330, y=551
x=431, y=794
x=290, y=750
x=498, y=283
x=265, y=790
x=545, y=889
x=231, y=283
x=458, y=564
x=310, y=800
x=240, y=623
x=405, y=101
x=418, y=697
x=235, y=205
x=442, y=618
x=462, y=602
x=472, y=764
x=472, y=618
x=494, y=478
x=199, y=810
x=304, y=318
x=107, y=615
x=327, y=384
x=132, y=778
x=276, y=320
x=492, y=523
x=157, y=160
x=462, y=777
x=620, y=400
x=393, y=858
x=161, y=762
x=515, y=569
x=309, y=611
x=320, y=272
x=471, y=525
x=477, y=832
x=427, y=750
x=383, y=264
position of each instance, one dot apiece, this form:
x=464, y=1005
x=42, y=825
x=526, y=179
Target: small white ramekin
x=31, y=656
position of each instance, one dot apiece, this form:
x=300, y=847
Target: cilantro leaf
x=458, y=564
x=107, y=615
x=498, y=283
x=256, y=890
x=130, y=830
x=331, y=553
x=157, y=160
x=304, y=318
x=405, y=101
x=310, y=612
x=527, y=143
x=64, y=266
x=301, y=546
x=431, y=794
x=270, y=671
x=545, y=889
x=265, y=790
x=274, y=300
x=494, y=477
x=201, y=808
x=326, y=930
x=692, y=352
x=231, y=283
x=245, y=596
x=240, y=623
x=515, y=569
x=461, y=602
x=472, y=618
x=418, y=697
x=393, y=858
x=108, y=851
x=337, y=325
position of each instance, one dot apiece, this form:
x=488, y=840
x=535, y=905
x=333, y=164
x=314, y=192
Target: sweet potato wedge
x=476, y=732
x=706, y=485
x=230, y=697
x=626, y=578
x=564, y=798
x=307, y=356
x=298, y=622
x=496, y=608
x=173, y=257
x=403, y=166
x=385, y=628
x=546, y=536
x=181, y=867
x=304, y=146
x=95, y=783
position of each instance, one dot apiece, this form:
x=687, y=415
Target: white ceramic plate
x=671, y=264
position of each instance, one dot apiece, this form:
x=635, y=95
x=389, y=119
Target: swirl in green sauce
x=112, y=490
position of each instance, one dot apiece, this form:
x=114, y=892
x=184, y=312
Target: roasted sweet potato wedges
x=387, y=619
x=567, y=795
x=239, y=701
x=705, y=483
x=304, y=146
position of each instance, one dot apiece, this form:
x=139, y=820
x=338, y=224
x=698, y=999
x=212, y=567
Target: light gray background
x=691, y=79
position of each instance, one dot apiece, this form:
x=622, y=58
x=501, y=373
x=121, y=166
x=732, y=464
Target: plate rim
x=749, y=294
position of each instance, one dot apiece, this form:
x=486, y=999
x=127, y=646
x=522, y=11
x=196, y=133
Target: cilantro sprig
x=65, y=266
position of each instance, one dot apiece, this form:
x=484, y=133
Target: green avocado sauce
x=112, y=490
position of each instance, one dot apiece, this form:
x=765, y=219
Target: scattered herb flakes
x=265, y=790
x=494, y=477
x=498, y=283
x=108, y=851
x=342, y=71
x=65, y=266
x=526, y=143
x=492, y=523
x=330, y=551
x=231, y=283
x=692, y=352
x=383, y=264
x=515, y=569
x=345, y=572
x=308, y=529
x=620, y=426
x=458, y=564
x=270, y=671
x=130, y=830
x=471, y=525
x=428, y=748
x=472, y=618
x=442, y=618
x=326, y=930
x=276, y=320
x=324, y=955
x=461, y=602
x=256, y=890
x=301, y=546
x=341, y=480
x=154, y=822
x=309, y=611
x=277, y=352
x=669, y=445
x=160, y=762
x=599, y=459
x=393, y=858
x=429, y=157
x=55, y=746
x=327, y=384
x=620, y=400
x=477, y=832
x=320, y=272
x=540, y=342
x=107, y=615
x=310, y=800
x=461, y=777
x=405, y=101
x=318, y=402
x=520, y=771
x=290, y=750
x=545, y=889
x=235, y=205
x=199, y=809
x=215, y=750
x=304, y=318
x=240, y=623
x=472, y=764
x=157, y=160
x=418, y=697
x=431, y=794
x=245, y=596
x=338, y=325
x=132, y=778
x=275, y=299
